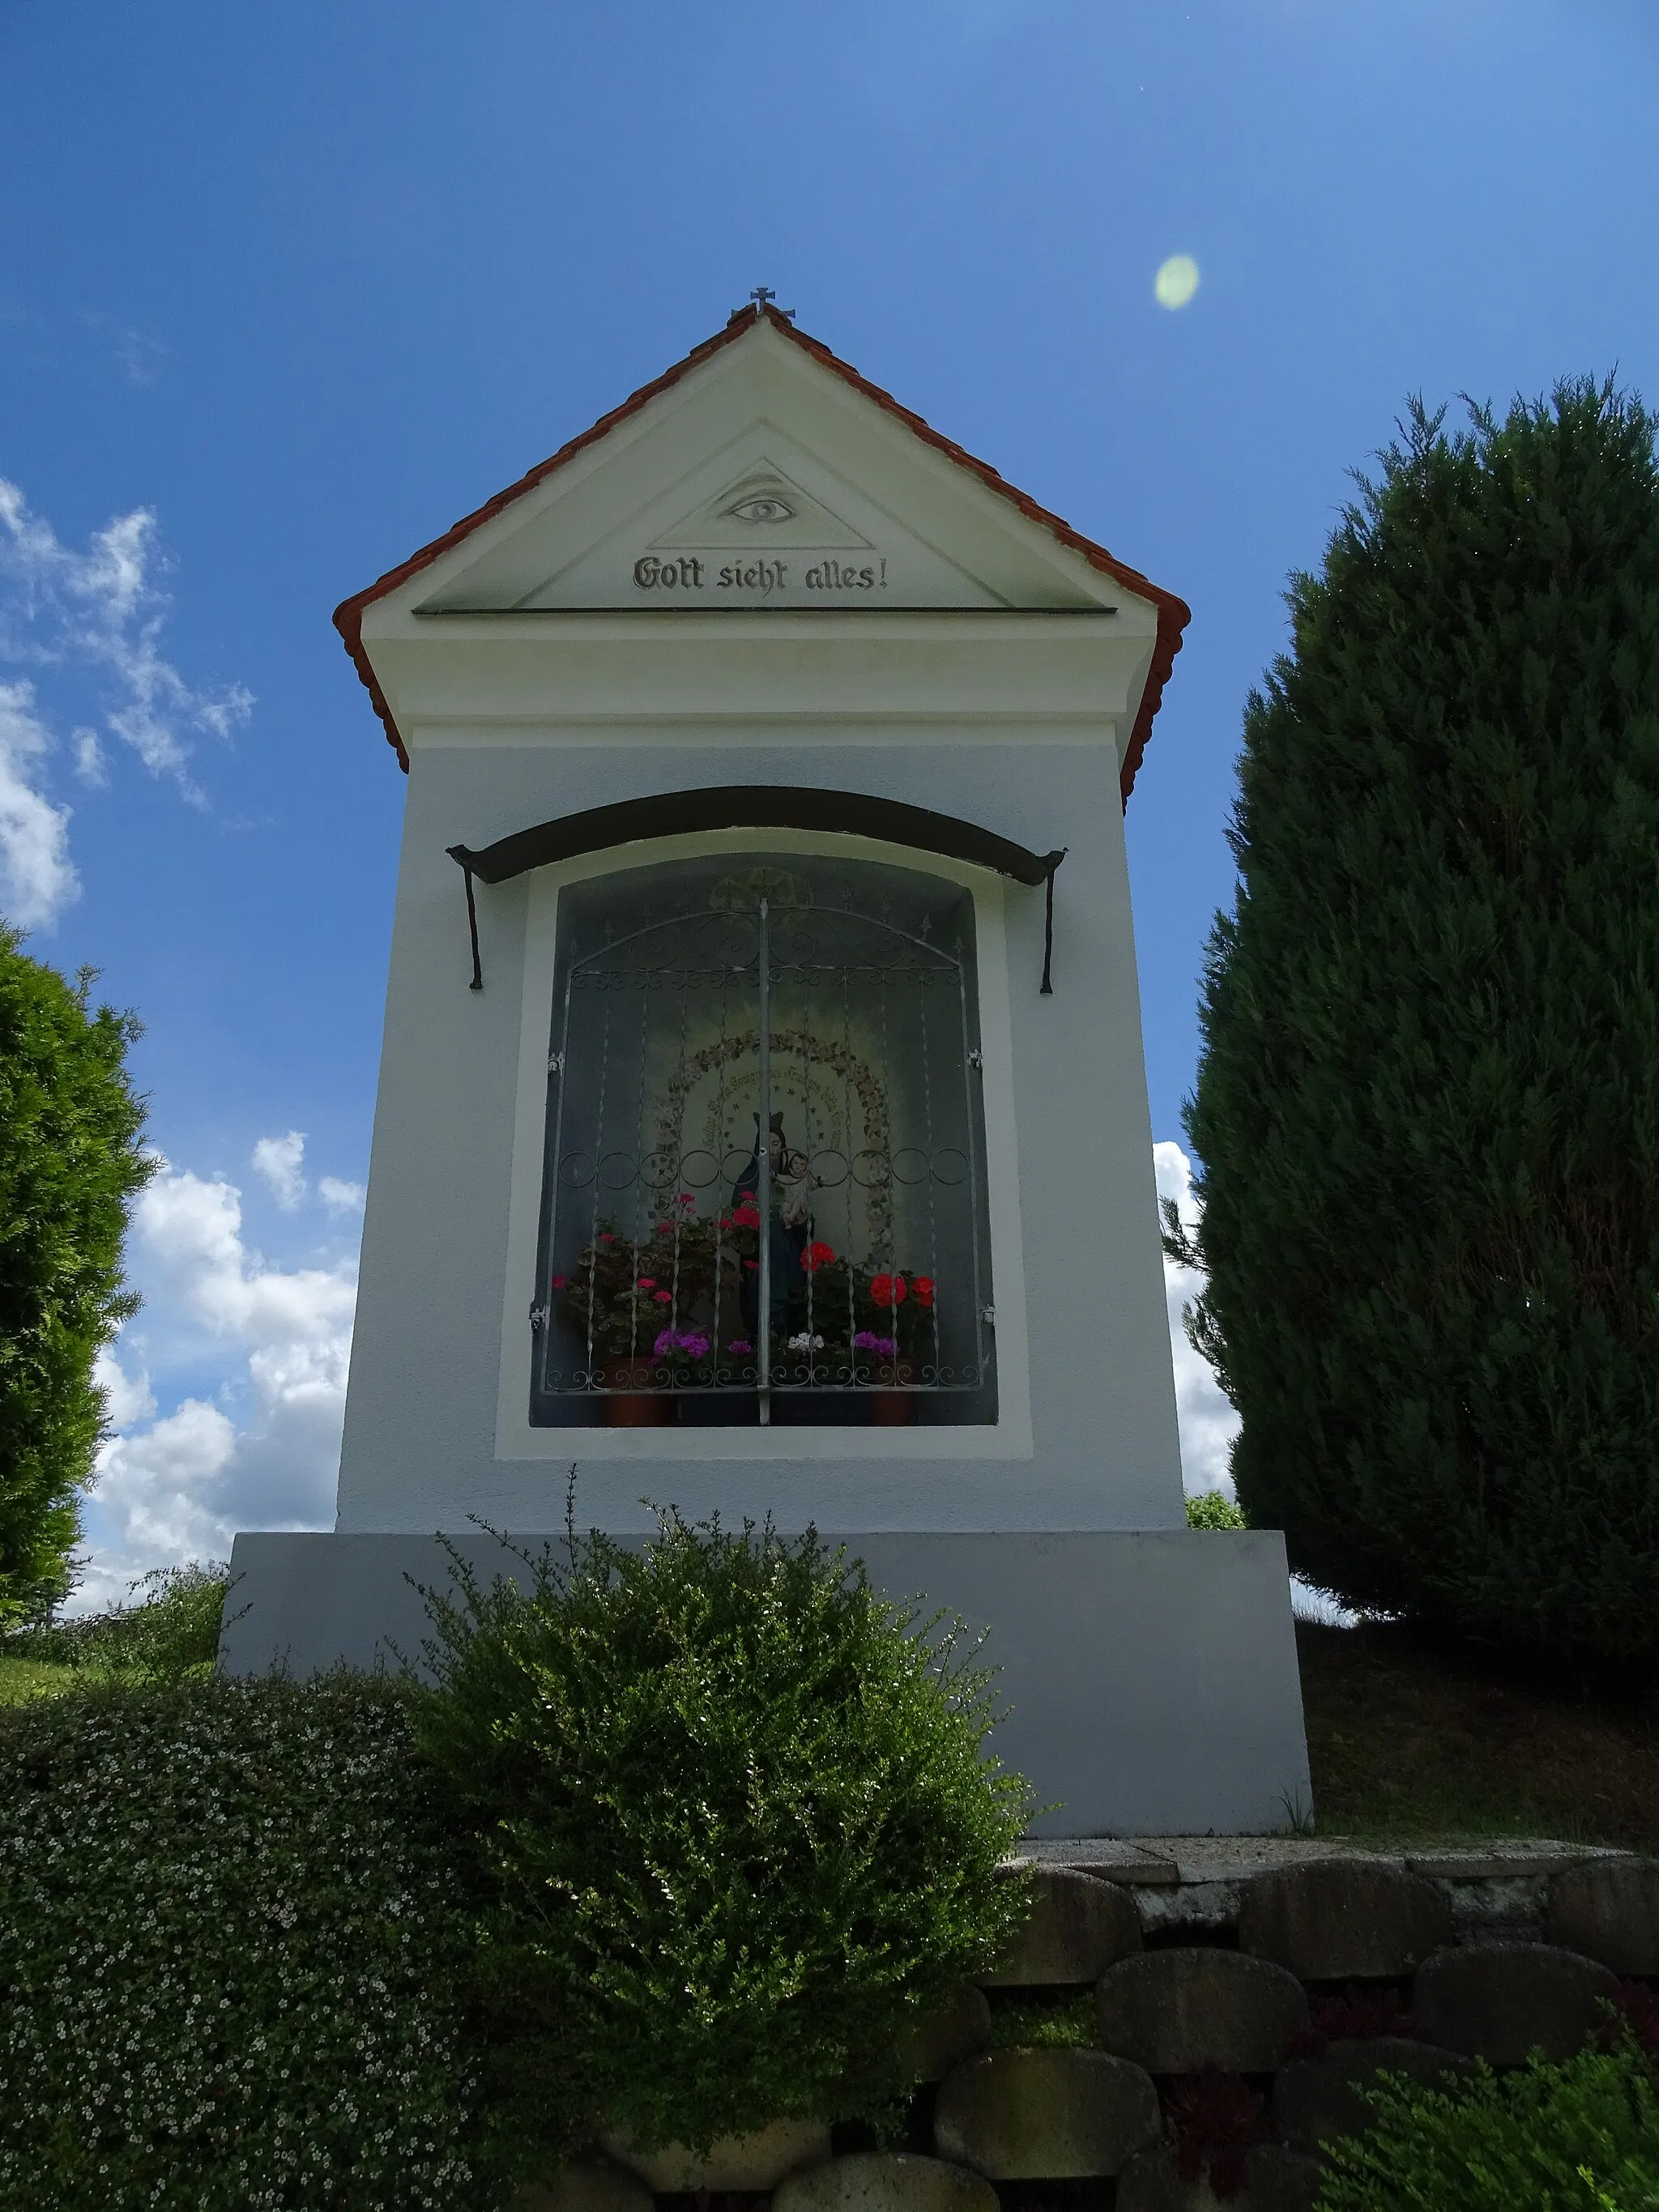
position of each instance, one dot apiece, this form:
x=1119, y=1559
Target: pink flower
x=647, y=1282
x=661, y=1298
x=559, y=1282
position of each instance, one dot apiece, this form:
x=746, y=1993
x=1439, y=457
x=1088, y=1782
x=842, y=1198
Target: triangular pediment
x=765, y=510
x=760, y=479
x=759, y=473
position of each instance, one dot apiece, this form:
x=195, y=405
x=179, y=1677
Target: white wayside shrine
x=762, y=1124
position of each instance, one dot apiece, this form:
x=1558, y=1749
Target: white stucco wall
x=1147, y=1681
x=1087, y=1436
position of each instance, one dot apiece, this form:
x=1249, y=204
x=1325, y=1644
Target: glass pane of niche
x=763, y=1197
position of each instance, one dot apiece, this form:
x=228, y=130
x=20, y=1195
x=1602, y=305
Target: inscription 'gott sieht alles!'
x=687, y=573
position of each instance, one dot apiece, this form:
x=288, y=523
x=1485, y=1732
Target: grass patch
x=21, y=1679
x=1409, y=1743
x=168, y=1632
x=1050, y=2024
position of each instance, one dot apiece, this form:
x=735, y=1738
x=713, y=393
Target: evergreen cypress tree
x=69, y=1165
x=1427, y=1109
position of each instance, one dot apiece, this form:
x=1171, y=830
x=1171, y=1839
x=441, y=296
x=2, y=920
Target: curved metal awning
x=754, y=806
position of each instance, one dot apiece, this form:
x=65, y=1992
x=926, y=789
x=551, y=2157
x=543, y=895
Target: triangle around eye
x=719, y=524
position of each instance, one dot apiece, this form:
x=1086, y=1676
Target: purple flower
x=884, y=1346
x=741, y=1347
x=689, y=1341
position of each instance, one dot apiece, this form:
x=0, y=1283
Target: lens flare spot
x=1176, y=281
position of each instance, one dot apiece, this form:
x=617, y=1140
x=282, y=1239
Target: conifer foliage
x=70, y=1165
x=1428, y=1105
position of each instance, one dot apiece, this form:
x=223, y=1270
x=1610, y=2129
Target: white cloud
x=280, y=1161
x=141, y=355
x=341, y=1197
x=100, y=612
x=1308, y=1603
x=191, y=1230
x=90, y=764
x=1208, y=1423
x=165, y=1482
x=260, y=1447
x=37, y=877
x=128, y=1399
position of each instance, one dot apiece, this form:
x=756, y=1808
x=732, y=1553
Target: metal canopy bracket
x=756, y=806
x=476, y=984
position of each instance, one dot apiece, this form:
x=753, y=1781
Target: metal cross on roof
x=763, y=297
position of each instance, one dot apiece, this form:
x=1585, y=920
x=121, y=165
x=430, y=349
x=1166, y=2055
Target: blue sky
x=284, y=291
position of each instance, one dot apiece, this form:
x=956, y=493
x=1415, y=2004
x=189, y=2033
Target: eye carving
x=760, y=506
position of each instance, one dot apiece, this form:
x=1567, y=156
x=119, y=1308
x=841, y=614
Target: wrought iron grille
x=764, y=1186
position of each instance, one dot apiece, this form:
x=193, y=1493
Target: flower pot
x=626, y=1408
x=891, y=1409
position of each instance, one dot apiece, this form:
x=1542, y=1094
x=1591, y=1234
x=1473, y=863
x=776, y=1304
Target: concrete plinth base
x=1152, y=1676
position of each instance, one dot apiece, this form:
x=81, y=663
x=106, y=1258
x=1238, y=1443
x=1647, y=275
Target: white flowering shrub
x=231, y=1944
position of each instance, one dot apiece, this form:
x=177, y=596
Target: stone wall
x=1239, y=1994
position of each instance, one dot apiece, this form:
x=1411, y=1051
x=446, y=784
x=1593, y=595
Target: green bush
x=230, y=1941
x=1427, y=1109
x=737, y=1824
x=1213, y=1509
x=172, y=1631
x=70, y=1166
x=1579, y=2137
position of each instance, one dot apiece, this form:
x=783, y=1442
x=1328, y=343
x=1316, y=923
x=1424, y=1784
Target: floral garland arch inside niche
x=793, y=1052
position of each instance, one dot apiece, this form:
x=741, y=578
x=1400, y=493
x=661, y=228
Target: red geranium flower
x=816, y=1256
x=647, y=1282
x=889, y=1289
x=923, y=1287
x=747, y=1215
